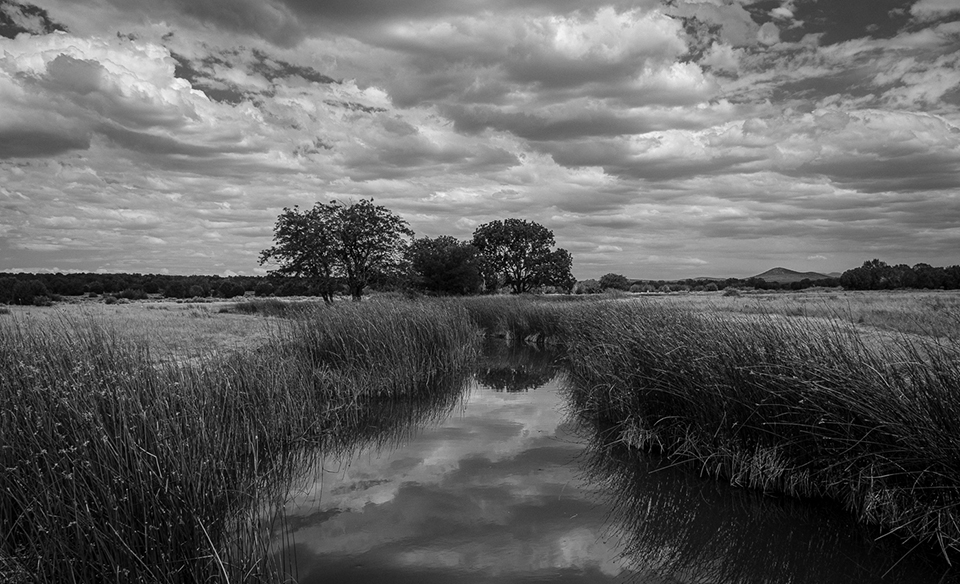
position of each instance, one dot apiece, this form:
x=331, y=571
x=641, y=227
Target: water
x=507, y=487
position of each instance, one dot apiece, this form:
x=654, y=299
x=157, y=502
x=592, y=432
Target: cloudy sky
x=657, y=139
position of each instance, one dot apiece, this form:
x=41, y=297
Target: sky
x=656, y=139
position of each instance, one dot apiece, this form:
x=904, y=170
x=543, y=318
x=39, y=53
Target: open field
x=916, y=312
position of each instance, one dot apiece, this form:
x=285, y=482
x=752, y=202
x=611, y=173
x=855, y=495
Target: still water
x=505, y=485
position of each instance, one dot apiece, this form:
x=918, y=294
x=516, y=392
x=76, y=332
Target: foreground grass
x=121, y=467
x=794, y=406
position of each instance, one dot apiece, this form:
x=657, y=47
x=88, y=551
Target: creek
x=506, y=484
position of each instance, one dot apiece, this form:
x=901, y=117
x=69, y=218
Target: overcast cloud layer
x=656, y=139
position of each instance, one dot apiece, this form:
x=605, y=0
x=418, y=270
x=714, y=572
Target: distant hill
x=785, y=276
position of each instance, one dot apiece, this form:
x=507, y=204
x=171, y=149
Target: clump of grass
x=266, y=307
x=521, y=318
x=805, y=408
x=117, y=468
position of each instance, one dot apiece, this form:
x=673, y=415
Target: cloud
x=933, y=9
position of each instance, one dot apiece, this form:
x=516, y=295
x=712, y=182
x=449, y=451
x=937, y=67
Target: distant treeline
x=620, y=282
x=29, y=289
x=40, y=289
x=877, y=275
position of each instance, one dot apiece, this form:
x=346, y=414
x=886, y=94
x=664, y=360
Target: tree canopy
x=517, y=253
x=445, y=265
x=355, y=243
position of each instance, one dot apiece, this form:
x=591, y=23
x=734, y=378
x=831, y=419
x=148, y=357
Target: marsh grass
x=121, y=467
x=803, y=407
x=519, y=318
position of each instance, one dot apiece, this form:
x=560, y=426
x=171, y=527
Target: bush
x=230, y=289
x=587, y=287
x=133, y=294
x=175, y=289
x=263, y=289
x=109, y=299
x=293, y=288
x=26, y=293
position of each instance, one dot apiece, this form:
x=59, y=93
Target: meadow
x=146, y=441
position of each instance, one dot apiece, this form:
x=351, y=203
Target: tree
x=306, y=246
x=372, y=243
x=356, y=242
x=445, y=265
x=517, y=253
x=614, y=281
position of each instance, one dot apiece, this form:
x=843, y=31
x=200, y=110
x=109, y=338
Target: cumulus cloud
x=932, y=9
x=635, y=131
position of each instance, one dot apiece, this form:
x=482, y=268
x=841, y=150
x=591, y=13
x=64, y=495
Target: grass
x=917, y=312
x=801, y=407
x=142, y=442
x=119, y=466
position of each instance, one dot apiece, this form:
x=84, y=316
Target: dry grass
x=172, y=331
x=143, y=445
x=917, y=312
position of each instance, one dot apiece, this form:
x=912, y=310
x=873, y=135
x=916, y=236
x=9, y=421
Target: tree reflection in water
x=515, y=367
x=678, y=527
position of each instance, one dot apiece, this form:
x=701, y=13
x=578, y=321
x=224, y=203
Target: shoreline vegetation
x=128, y=457
x=122, y=466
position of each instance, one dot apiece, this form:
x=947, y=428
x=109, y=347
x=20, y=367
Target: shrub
x=133, y=294
x=26, y=292
x=230, y=289
x=110, y=300
x=175, y=289
x=263, y=289
x=293, y=288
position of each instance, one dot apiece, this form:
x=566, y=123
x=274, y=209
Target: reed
x=802, y=407
x=520, y=318
x=120, y=467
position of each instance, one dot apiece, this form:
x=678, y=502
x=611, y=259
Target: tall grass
x=519, y=318
x=118, y=468
x=805, y=408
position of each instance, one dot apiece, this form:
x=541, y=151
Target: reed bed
x=119, y=467
x=519, y=318
x=800, y=407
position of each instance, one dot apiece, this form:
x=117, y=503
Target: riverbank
x=804, y=407
x=130, y=461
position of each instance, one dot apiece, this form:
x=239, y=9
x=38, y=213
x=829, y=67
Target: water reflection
x=490, y=494
x=499, y=484
x=515, y=367
x=679, y=526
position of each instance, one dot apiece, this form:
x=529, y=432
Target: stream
x=506, y=485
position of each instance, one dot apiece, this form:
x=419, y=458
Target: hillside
x=785, y=276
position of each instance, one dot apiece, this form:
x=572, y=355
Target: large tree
x=445, y=265
x=355, y=243
x=517, y=253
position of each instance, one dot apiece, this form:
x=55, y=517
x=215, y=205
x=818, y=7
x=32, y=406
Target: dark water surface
x=509, y=488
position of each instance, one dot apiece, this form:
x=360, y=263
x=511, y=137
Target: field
x=145, y=441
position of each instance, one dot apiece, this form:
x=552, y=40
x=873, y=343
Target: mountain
x=785, y=276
